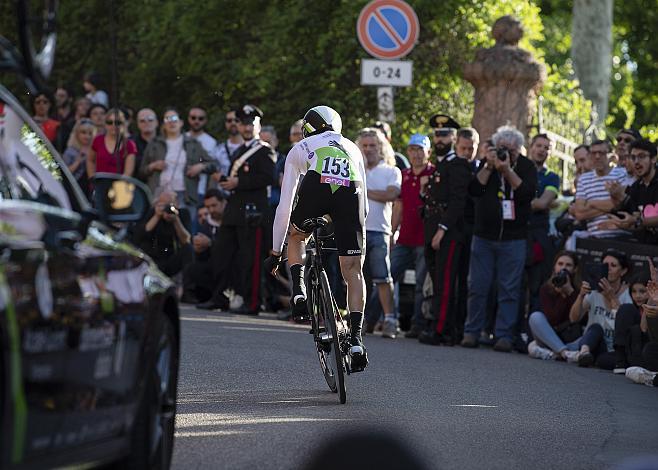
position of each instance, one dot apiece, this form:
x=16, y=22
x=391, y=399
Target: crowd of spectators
x=487, y=230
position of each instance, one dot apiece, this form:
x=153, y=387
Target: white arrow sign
x=385, y=103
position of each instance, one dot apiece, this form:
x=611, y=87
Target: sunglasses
x=173, y=118
x=197, y=118
x=442, y=132
x=232, y=120
x=628, y=140
x=112, y=122
x=86, y=121
x=147, y=119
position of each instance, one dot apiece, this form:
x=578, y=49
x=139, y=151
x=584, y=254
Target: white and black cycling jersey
x=338, y=162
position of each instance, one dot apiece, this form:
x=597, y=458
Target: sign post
x=387, y=30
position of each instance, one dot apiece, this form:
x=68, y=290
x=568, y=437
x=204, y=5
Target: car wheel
x=153, y=431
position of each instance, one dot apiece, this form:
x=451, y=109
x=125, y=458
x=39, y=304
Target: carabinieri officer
x=241, y=242
x=444, y=200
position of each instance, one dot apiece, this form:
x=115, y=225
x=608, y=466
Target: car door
x=75, y=313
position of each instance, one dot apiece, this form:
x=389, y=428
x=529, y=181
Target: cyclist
x=334, y=184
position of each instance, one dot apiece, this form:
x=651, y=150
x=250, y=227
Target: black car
x=89, y=327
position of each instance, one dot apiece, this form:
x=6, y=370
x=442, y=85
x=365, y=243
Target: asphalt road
x=251, y=395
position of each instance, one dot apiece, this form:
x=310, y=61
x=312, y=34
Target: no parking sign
x=387, y=29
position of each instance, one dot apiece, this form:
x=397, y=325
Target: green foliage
x=633, y=98
x=635, y=32
x=288, y=55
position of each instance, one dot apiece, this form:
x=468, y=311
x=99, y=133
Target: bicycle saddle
x=310, y=225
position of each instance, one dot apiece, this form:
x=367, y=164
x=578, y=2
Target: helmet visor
x=307, y=129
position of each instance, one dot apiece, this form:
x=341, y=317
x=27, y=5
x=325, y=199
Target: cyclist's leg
x=352, y=269
x=309, y=205
x=296, y=241
x=348, y=214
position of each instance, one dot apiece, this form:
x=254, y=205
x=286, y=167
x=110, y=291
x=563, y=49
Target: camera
x=171, y=209
x=560, y=279
x=502, y=153
x=222, y=178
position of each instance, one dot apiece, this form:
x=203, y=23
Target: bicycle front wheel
x=320, y=332
x=335, y=356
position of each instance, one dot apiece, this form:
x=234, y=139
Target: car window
x=28, y=168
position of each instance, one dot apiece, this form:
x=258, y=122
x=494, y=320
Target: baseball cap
x=421, y=140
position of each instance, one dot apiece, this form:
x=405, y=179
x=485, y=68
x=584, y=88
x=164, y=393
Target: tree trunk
x=591, y=51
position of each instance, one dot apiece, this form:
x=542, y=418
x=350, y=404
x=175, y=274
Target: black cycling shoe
x=358, y=355
x=299, y=310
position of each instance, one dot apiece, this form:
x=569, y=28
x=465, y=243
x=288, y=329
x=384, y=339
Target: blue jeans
x=410, y=257
x=546, y=336
x=403, y=257
x=377, y=270
x=505, y=260
x=378, y=262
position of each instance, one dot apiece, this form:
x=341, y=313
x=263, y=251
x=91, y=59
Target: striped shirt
x=591, y=187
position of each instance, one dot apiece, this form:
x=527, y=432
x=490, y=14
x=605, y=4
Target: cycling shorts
x=345, y=206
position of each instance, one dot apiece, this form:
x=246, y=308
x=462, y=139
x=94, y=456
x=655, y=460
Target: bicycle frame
x=327, y=326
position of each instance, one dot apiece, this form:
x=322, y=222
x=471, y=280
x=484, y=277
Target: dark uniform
x=444, y=203
x=240, y=243
x=462, y=276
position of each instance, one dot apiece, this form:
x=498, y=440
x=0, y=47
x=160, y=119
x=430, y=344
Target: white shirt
x=303, y=157
x=628, y=179
x=223, y=152
x=172, y=177
x=100, y=97
x=591, y=187
x=380, y=178
x=208, y=143
x=599, y=313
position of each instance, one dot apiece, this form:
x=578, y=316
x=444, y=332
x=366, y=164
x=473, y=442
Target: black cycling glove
x=272, y=263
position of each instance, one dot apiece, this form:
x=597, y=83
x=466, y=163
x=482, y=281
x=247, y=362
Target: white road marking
x=244, y=328
x=475, y=406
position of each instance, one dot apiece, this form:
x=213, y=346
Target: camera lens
x=502, y=154
x=560, y=279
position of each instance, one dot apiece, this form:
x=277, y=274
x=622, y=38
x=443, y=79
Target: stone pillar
x=506, y=79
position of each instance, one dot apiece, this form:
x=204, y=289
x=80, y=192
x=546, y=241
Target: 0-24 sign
x=386, y=72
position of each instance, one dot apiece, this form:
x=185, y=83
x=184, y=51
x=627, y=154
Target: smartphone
x=222, y=178
x=594, y=272
x=650, y=311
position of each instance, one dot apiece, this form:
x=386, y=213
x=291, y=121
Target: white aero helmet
x=320, y=119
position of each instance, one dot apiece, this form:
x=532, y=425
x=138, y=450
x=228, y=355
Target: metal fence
x=562, y=133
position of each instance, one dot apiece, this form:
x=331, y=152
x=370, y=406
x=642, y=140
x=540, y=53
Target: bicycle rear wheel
x=330, y=313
